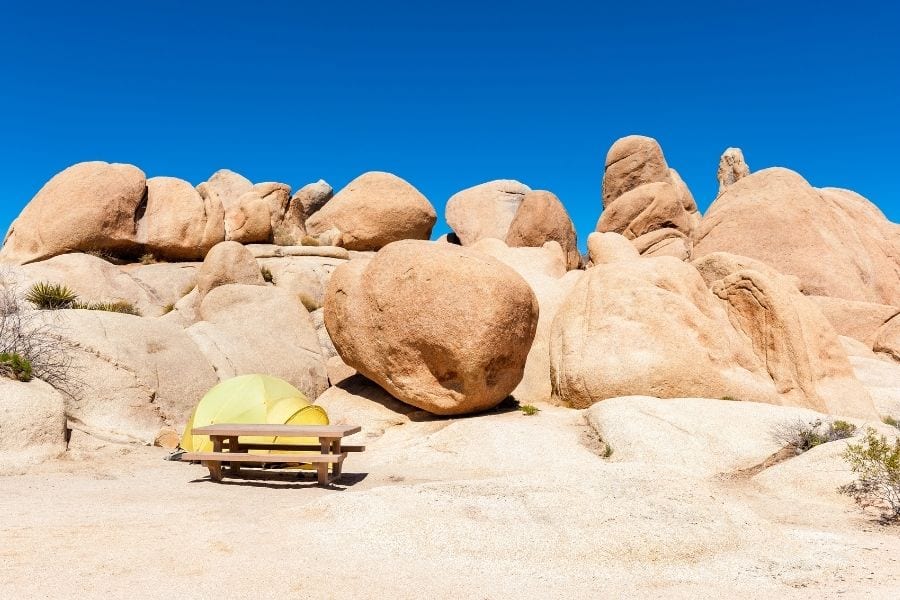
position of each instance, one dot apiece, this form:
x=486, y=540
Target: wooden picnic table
x=229, y=448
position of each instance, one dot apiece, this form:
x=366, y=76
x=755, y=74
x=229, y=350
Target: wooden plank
x=298, y=447
x=220, y=457
x=247, y=430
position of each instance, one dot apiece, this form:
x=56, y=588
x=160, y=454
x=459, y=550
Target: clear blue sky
x=450, y=95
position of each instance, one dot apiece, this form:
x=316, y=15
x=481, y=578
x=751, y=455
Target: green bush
x=891, y=421
x=529, y=409
x=119, y=306
x=15, y=366
x=309, y=302
x=876, y=463
x=51, y=296
x=806, y=435
x=267, y=275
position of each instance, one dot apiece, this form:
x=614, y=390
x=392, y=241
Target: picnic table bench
x=229, y=448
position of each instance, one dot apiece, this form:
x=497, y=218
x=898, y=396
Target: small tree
x=876, y=463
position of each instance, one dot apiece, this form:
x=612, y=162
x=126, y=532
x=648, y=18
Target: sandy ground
x=493, y=506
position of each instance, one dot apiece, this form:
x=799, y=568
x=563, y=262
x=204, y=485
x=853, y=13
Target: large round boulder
x=178, y=222
x=441, y=327
x=227, y=262
x=90, y=206
x=374, y=210
x=542, y=218
x=485, y=210
x=835, y=242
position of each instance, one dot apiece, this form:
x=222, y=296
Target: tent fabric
x=251, y=399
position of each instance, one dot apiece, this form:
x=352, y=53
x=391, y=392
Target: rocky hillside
x=781, y=293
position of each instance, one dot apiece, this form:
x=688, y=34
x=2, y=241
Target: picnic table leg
x=322, y=468
x=336, y=467
x=214, y=466
x=233, y=446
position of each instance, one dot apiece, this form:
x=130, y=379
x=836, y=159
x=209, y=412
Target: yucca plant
x=51, y=296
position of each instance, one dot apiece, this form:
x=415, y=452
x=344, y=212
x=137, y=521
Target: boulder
x=93, y=279
x=887, y=339
x=304, y=276
x=646, y=201
x=224, y=187
x=32, y=424
x=486, y=210
x=609, y=247
x=250, y=219
x=731, y=168
x=374, y=210
x=462, y=351
x=285, y=216
x=247, y=329
x=227, y=262
x=167, y=283
x=178, y=223
x=91, y=206
x=859, y=320
x=357, y=401
x=776, y=217
x=137, y=375
x=649, y=327
x=312, y=197
x=880, y=376
x=274, y=251
x=542, y=218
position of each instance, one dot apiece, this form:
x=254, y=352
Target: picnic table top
x=320, y=431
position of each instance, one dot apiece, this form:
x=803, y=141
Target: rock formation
x=462, y=350
x=731, y=168
x=486, y=210
x=542, y=218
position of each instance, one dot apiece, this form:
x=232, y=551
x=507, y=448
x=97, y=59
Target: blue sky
x=450, y=95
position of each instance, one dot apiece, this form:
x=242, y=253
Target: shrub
x=876, y=463
x=119, y=306
x=891, y=421
x=35, y=337
x=51, y=296
x=309, y=302
x=267, y=275
x=15, y=366
x=529, y=409
x=805, y=435
x=309, y=240
x=168, y=308
x=148, y=259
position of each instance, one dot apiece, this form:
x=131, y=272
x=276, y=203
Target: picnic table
x=228, y=447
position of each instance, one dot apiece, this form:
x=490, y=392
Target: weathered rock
x=776, y=217
x=859, y=320
x=664, y=242
x=357, y=401
x=178, y=222
x=227, y=262
x=485, y=210
x=32, y=424
x=312, y=197
x=887, y=339
x=304, y=276
x=448, y=355
x=89, y=206
x=644, y=209
x=273, y=251
x=285, y=217
x=167, y=283
x=93, y=279
x=260, y=329
x=224, y=187
x=649, y=327
x=542, y=218
x=325, y=343
x=138, y=374
x=719, y=265
x=796, y=344
x=374, y=210
x=632, y=161
x=609, y=247
x=731, y=168
x=249, y=220
x=880, y=376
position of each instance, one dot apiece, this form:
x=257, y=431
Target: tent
x=252, y=399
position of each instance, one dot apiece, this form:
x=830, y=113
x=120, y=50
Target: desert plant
x=529, y=409
x=15, y=366
x=51, y=296
x=148, y=258
x=35, y=336
x=876, y=463
x=168, y=308
x=308, y=240
x=267, y=275
x=309, y=302
x=804, y=435
x=607, y=450
x=891, y=421
x=119, y=306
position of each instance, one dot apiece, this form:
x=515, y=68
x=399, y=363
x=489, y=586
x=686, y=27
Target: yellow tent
x=252, y=399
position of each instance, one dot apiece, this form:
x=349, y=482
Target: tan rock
x=249, y=220
x=260, y=329
x=166, y=282
x=32, y=424
x=311, y=197
x=731, y=168
x=887, y=339
x=609, y=247
x=664, y=242
x=304, y=276
x=372, y=211
x=224, y=187
x=541, y=218
x=776, y=217
x=227, y=262
x=178, y=222
x=719, y=265
x=285, y=216
x=644, y=209
x=448, y=355
x=355, y=400
x=167, y=438
x=632, y=161
x=858, y=320
x=649, y=327
x=485, y=210
x=274, y=251
x=89, y=206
